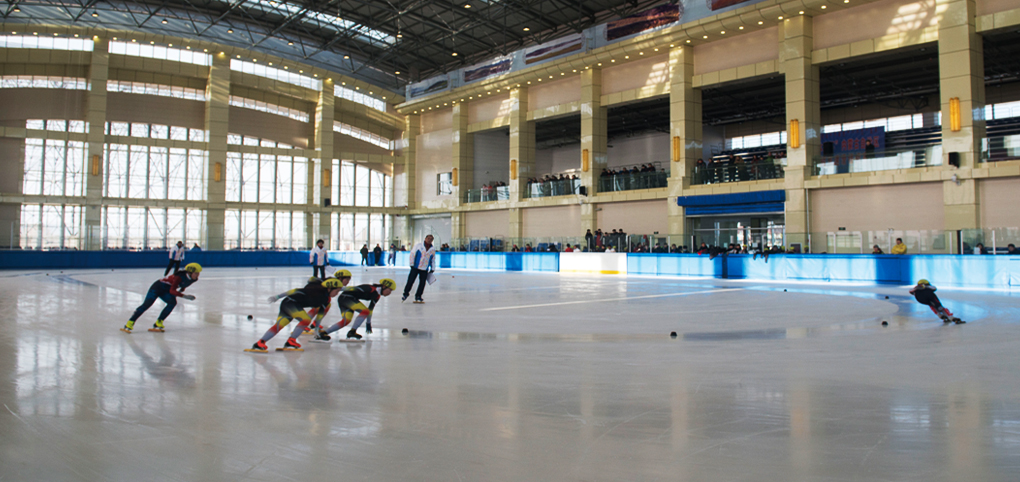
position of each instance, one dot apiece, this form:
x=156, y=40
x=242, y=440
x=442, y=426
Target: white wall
x=560, y=159
x=638, y=217
x=877, y=208
x=552, y=221
x=488, y=224
x=651, y=147
x=438, y=227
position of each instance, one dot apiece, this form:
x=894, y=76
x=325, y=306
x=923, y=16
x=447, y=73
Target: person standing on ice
x=423, y=258
x=315, y=294
x=319, y=258
x=924, y=293
x=176, y=256
x=167, y=289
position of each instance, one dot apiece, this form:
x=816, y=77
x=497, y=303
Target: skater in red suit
x=345, y=278
x=316, y=294
x=924, y=292
x=167, y=289
x=350, y=301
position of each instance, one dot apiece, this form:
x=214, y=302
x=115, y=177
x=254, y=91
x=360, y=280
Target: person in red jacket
x=167, y=289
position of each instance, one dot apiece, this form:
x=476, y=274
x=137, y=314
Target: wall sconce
x=327, y=176
x=584, y=160
x=954, y=114
x=454, y=177
x=218, y=172
x=95, y=165
x=794, y=133
x=676, y=148
x=513, y=169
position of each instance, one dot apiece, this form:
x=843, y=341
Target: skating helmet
x=923, y=281
x=342, y=273
x=332, y=283
x=388, y=283
x=193, y=268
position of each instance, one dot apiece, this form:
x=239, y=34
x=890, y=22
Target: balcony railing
x=498, y=193
x=632, y=181
x=737, y=172
x=558, y=187
x=884, y=160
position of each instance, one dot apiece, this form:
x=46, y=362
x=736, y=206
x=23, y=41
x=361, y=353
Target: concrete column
x=685, y=124
x=961, y=76
x=522, y=144
x=217, y=116
x=458, y=228
x=95, y=118
x=593, y=131
x=803, y=105
x=515, y=230
x=323, y=167
x=463, y=154
x=412, y=127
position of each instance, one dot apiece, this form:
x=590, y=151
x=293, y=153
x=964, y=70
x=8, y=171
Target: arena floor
x=509, y=376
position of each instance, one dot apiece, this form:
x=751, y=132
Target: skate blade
x=350, y=340
x=320, y=341
x=308, y=332
x=290, y=349
x=157, y=330
x=125, y=330
x=418, y=302
x=960, y=322
x=252, y=350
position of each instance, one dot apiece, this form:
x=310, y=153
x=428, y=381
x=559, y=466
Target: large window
x=268, y=108
x=135, y=49
x=150, y=172
x=358, y=133
x=45, y=226
x=360, y=186
x=155, y=89
x=49, y=43
x=266, y=178
x=356, y=96
x=264, y=230
x=275, y=74
x=42, y=82
x=351, y=231
x=152, y=228
x=54, y=167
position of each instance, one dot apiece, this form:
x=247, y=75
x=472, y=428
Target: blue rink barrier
x=942, y=270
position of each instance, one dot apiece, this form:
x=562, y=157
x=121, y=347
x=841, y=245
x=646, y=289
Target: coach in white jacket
x=423, y=259
x=319, y=258
x=176, y=256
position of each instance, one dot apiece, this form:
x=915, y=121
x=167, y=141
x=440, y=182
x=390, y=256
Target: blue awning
x=744, y=202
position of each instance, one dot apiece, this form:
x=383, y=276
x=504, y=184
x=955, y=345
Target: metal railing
x=631, y=181
x=715, y=173
x=882, y=160
x=486, y=194
x=558, y=187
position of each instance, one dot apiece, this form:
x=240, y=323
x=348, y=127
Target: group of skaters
x=307, y=304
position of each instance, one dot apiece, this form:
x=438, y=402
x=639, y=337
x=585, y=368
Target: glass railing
x=737, y=172
x=479, y=244
x=499, y=193
x=559, y=187
x=882, y=160
x=632, y=181
x=1000, y=148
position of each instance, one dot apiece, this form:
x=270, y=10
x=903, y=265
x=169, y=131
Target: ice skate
x=353, y=335
x=158, y=327
x=419, y=301
x=403, y=298
x=130, y=325
x=958, y=321
x=291, y=345
x=946, y=319
x=258, y=347
x=321, y=337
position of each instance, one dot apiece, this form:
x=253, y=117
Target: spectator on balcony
x=876, y=250
x=568, y=249
x=527, y=248
x=515, y=249
x=980, y=249
x=589, y=239
x=869, y=149
x=1010, y=249
x=703, y=249
x=900, y=248
x=741, y=169
x=699, y=171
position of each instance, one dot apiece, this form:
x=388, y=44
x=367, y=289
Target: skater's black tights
x=150, y=298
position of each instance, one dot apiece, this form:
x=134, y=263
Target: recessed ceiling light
x=152, y=43
x=346, y=57
x=397, y=72
x=780, y=17
x=626, y=57
x=230, y=30
x=612, y=60
x=600, y=64
x=286, y=67
x=164, y=21
x=688, y=40
x=575, y=70
x=704, y=36
x=95, y=14
x=454, y=54
x=238, y=56
x=846, y=1
x=301, y=71
x=656, y=49
x=740, y=27
x=823, y=7
x=526, y=29
x=290, y=43
x=467, y=6
x=75, y=35
x=723, y=32
x=760, y=22
x=801, y=12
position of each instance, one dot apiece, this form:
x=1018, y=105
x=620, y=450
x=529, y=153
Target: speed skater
x=350, y=301
x=167, y=289
x=924, y=292
x=345, y=279
x=316, y=294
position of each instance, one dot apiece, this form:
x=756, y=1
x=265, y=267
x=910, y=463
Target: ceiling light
x=455, y=54
x=270, y=63
x=164, y=21
x=346, y=57
x=670, y=45
x=656, y=49
x=846, y=1
x=238, y=56
x=823, y=7
x=397, y=72
x=56, y=34
x=75, y=35
x=723, y=32
x=801, y=12
x=741, y=27
x=168, y=45
x=600, y=64
x=575, y=70
x=286, y=67
x=16, y=9
x=526, y=29
x=612, y=60
x=760, y=22
x=95, y=14
x=704, y=36
x=688, y=40
x=400, y=36
x=625, y=57
x=780, y=17
x=230, y=30
x=301, y=71
x=315, y=75
x=290, y=43
x=467, y=6
x=152, y=42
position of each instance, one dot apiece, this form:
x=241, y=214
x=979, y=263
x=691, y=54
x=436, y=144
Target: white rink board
x=593, y=263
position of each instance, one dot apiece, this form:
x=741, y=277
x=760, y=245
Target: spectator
x=527, y=248
x=364, y=256
x=980, y=249
x=589, y=239
x=422, y=258
x=900, y=248
x=568, y=249
x=876, y=250
x=869, y=149
x=196, y=247
x=515, y=249
x=378, y=254
x=392, y=256
x=1010, y=249
x=319, y=258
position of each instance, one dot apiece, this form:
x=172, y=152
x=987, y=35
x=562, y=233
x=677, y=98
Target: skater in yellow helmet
x=350, y=301
x=167, y=289
x=316, y=294
x=924, y=293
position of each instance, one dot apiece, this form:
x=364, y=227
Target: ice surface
x=508, y=376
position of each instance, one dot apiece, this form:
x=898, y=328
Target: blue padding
x=540, y=261
x=735, y=208
x=470, y=260
x=146, y=259
x=674, y=265
x=777, y=196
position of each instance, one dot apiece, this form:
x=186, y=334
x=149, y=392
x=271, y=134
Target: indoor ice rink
x=509, y=376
